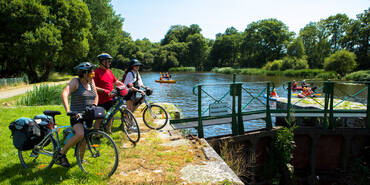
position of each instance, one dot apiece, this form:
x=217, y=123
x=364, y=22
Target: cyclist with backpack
x=132, y=80
x=83, y=93
x=105, y=81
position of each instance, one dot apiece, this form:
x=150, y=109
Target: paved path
x=7, y=93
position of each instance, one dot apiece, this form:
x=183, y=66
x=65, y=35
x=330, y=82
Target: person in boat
x=294, y=85
x=132, y=79
x=304, y=84
x=273, y=93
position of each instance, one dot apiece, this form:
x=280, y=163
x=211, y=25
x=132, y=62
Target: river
x=181, y=93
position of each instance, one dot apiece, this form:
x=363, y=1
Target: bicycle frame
x=118, y=103
x=51, y=137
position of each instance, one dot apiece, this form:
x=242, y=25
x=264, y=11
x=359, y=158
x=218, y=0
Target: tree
x=41, y=35
x=336, y=27
x=342, y=62
x=316, y=44
x=296, y=48
x=106, y=30
x=357, y=39
x=264, y=40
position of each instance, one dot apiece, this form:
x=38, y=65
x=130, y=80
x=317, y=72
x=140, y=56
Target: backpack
x=135, y=84
x=26, y=133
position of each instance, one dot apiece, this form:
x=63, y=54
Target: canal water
x=181, y=94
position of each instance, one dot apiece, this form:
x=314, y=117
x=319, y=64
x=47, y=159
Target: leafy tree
x=316, y=44
x=342, y=62
x=41, y=35
x=296, y=48
x=336, y=27
x=357, y=39
x=264, y=40
x=226, y=49
x=197, y=47
x=106, y=28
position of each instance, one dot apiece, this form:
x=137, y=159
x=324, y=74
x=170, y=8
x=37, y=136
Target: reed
x=42, y=95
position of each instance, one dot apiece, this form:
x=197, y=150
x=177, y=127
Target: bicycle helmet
x=135, y=62
x=84, y=66
x=104, y=56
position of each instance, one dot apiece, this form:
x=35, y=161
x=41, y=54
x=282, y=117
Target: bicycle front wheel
x=155, y=117
x=40, y=157
x=97, y=154
x=129, y=126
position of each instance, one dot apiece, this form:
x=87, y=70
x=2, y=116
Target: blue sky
x=153, y=18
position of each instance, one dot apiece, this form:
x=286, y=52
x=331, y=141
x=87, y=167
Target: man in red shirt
x=104, y=80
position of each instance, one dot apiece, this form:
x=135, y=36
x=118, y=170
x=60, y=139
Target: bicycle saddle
x=51, y=113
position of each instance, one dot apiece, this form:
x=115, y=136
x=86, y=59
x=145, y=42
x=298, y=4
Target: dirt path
x=7, y=93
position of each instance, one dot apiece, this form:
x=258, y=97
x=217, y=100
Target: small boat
x=273, y=98
x=165, y=81
x=299, y=88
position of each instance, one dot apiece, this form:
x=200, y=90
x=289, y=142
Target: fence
x=328, y=101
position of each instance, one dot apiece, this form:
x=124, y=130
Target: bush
x=294, y=63
x=342, y=62
x=118, y=73
x=359, y=76
x=327, y=75
x=185, y=69
x=274, y=65
x=42, y=95
x=306, y=73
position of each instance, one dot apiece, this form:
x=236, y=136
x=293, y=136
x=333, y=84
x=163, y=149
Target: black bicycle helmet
x=84, y=66
x=135, y=62
x=104, y=56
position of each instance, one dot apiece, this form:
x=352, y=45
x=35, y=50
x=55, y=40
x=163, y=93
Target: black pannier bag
x=26, y=133
x=94, y=112
x=46, y=124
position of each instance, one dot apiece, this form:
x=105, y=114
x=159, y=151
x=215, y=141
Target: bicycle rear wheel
x=40, y=157
x=156, y=117
x=129, y=125
x=99, y=155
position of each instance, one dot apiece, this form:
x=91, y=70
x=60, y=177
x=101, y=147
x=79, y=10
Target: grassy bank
x=305, y=73
x=359, y=76
x=182, y=69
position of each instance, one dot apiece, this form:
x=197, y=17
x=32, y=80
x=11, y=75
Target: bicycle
x=154, y=116
x=100, y=157
x=129, y=123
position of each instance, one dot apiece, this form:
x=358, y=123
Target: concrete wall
x=318, y=152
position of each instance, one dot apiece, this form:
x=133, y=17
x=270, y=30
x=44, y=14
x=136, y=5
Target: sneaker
x=62, y=160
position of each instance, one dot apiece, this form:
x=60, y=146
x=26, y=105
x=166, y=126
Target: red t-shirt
x=104, y=79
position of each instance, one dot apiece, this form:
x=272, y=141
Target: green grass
x=137, y=165
x=11, y=171
x=185, y=69
x=56, y=77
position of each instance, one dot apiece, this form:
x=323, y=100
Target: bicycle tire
x=36, y=157
x=156, y=121
x=100, y=156
x=129, y=125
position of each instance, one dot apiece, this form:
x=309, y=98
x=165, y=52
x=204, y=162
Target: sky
x=152, y=19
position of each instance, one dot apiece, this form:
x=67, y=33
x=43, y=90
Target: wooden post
x=200, y=123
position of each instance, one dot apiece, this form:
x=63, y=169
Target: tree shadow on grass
x=16, y=174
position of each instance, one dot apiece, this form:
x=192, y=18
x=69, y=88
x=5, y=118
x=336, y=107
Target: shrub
x=274, y=65
x=187, y=69
x=342, y=62
x=359, y=76
x=42, y=95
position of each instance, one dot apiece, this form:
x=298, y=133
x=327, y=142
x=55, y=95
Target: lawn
x=148, y=162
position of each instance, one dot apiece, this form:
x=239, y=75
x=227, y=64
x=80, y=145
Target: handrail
x=236, y=89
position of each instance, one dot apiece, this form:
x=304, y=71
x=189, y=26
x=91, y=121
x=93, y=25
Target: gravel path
x=7, y=93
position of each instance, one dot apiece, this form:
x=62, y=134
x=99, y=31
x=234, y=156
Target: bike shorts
x=107, y=105
x=75, y=121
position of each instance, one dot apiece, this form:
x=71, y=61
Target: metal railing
x=235, y=91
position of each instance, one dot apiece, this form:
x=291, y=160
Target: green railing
x=237, y=90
